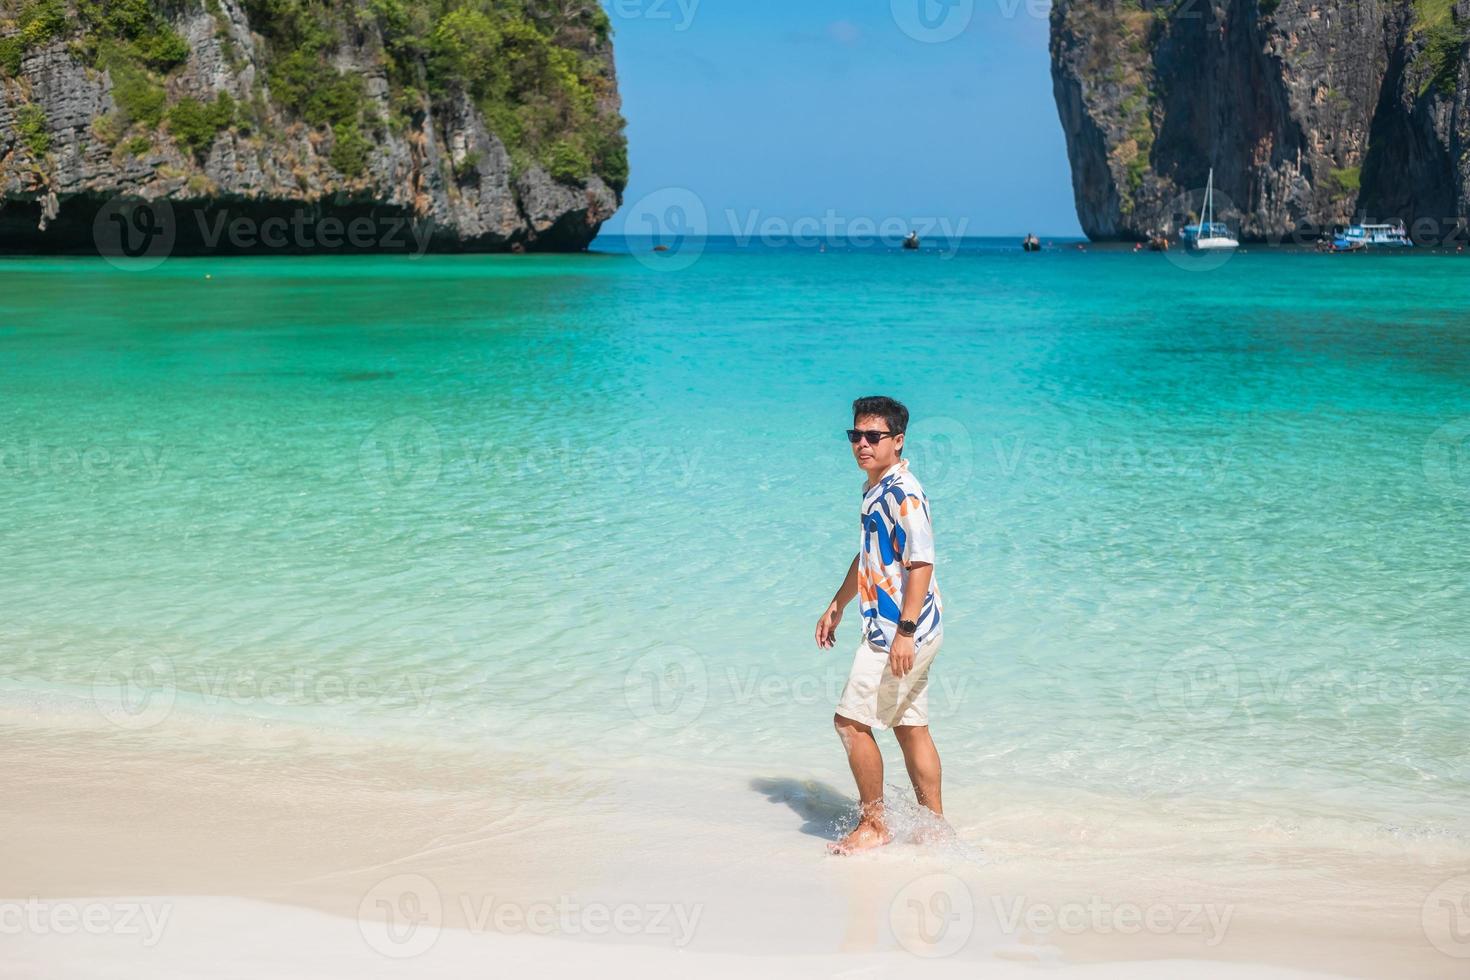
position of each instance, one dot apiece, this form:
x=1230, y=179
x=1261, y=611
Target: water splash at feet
x=913, y=825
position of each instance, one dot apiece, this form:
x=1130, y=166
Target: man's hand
x=901, y=655
x=827, y=626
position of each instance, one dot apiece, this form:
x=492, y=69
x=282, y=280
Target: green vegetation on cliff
x=135, y=30
x=1347, y=181
x=538, y=77
x=31, y=124
x=130, y=39
x=195, y=124
x=36, y=23
x=1121, y=60
x=540, y=73
x=1443, y=38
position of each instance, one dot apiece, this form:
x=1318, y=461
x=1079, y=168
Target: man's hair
x=888, y=409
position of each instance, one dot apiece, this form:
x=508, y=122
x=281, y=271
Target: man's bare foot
x=864, y=837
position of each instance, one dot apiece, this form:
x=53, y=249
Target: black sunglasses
x=873, y=436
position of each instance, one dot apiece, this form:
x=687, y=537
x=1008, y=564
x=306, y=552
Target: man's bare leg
x=922, y=760
x=866, y=762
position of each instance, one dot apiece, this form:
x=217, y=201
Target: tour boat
x=1355, y=238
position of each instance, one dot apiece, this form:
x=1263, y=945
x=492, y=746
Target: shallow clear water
x=1202, y=535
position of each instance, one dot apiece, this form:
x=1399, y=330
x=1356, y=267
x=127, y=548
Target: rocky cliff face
x=1312, y=113
x=487, y=126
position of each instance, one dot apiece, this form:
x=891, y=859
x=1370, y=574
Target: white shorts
x=878, y=699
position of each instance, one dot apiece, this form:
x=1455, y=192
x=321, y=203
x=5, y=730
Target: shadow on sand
x=820, y=806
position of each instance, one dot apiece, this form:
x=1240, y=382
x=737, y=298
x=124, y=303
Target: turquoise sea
x=1202, y=534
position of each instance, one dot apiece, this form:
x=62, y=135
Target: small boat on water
x=911, y=243
x=1031, y=244
x=1209, y=235
x=1158, y=243
x=1357, y=238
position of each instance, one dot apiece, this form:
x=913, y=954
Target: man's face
x=875, y=458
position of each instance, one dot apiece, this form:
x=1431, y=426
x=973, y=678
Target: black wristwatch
x=907, y=627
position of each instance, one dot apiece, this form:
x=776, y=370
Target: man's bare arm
x=916, y=590
x=827, y=625
x=848, y=590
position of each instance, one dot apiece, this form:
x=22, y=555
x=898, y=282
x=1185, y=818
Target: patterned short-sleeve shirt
x=896, y=533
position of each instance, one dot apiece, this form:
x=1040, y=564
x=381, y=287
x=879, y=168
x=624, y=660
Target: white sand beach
x=131, y=860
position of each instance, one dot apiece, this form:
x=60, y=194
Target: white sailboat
x=1209, y=234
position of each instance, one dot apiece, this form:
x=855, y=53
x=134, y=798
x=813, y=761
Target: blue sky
x=865, y=108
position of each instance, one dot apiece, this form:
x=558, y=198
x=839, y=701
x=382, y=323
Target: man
x=893, y=575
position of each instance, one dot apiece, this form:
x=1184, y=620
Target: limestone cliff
x=492, y=124
x=1312, y=112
